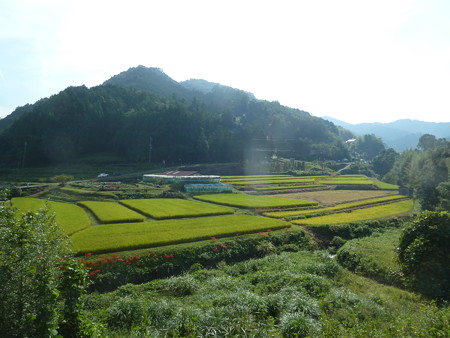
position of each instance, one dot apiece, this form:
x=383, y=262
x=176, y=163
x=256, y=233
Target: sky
x=354, y=60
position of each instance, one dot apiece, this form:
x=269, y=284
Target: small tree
x=62, y=179
x=33, y=260
x=424, y=254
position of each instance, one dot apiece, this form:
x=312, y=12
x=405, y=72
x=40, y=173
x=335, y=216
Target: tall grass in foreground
x=287, y=295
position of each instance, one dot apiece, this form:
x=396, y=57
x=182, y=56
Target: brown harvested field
x=330, y=197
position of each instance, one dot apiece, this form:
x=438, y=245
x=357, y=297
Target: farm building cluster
x=192, y=181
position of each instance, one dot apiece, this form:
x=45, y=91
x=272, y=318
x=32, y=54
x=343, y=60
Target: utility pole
x=150, y=147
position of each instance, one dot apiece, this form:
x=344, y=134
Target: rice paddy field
x=162, y=208
x=332, y=197
x=253, y=201
x=109, y=226
x=290, y=182
x=339, y=207
x=70, y=217
x=112, y=212
x=358, y=215
x=126, y=236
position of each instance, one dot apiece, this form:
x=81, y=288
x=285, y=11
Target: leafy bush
x=125, y=313
x=424, y=254
x=34, y=267
x=180, y=285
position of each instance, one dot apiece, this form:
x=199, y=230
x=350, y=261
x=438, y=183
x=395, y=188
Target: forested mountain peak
x=143, y=105
x=149, y=79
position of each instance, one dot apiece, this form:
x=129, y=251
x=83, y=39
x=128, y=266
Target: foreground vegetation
x=289, y=295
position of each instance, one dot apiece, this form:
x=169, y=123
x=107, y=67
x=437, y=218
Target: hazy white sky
x=355, y=60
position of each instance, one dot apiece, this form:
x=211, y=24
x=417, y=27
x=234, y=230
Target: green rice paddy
x=125, y=236
x=252, y=201
x=343, y=206
x=365, y=214
x=288, y=187
x=70, y=217
x=111, y=212
x=162, y=208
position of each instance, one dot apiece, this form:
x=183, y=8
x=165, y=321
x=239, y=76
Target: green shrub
x=424, y=254
x=180, y=285
x=125, y=313
x=297, y=324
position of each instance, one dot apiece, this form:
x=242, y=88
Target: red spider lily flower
x=93, y=273
x=214, y=248
x=262, y=234
x=269, y=230
x=169, y=256
x=224, y=246
x=88, y=254
x=213, y=238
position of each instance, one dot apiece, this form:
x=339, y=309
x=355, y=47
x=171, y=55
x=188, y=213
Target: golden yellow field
x=330, y=197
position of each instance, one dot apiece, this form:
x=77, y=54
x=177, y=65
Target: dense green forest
x=425, y=171
x=143, y=106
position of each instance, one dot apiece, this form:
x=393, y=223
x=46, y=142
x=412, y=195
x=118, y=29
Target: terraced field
x=332, y=197
x=111, y=212
x=358, y=215
x=162, y=208
x=125, y=236
x=339, y=207
x=124, y=225
x=252, y=201
x=70, y=217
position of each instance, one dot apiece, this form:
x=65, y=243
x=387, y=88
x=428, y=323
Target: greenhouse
x=182, y=179
x=199, y=188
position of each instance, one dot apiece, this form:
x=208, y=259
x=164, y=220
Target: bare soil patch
x=331, y=197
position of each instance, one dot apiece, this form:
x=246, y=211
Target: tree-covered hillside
x=143, y=105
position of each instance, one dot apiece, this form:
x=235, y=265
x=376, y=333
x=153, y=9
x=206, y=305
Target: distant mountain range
x=399, y=135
